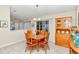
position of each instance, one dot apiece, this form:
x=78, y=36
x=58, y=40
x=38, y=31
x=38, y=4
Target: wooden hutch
x=63, y=31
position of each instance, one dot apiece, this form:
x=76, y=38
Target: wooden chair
x=42, y=32
x=44, y=42
x=29, y=32
x=30, y=42
x=47, y=39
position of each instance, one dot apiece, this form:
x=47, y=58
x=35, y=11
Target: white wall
x=5, y=15
x=51, y=29
x=78, y=16
x=8, y=38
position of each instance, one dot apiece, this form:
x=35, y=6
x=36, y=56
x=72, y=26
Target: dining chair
x=47, y=39
x=44, y=42
x=42, y=32
x=30, y=43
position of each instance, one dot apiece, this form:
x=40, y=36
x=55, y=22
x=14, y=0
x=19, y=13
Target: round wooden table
x=73, y=48
x=38, y=37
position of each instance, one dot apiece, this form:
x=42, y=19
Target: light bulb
x=39, y=18
x=34, y=18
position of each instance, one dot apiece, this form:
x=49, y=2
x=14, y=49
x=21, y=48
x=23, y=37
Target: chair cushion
x=42, y=42
x=33, y=43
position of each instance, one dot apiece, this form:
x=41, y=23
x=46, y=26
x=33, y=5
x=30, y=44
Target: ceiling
x=31, y=11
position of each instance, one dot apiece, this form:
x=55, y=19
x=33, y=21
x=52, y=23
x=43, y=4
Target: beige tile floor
x=19, y=48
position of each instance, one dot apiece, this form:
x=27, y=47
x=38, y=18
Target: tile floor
x=19, y=48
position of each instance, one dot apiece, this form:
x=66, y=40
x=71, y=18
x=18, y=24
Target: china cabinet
x=63, y=29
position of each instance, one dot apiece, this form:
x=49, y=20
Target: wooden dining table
x=38, y=37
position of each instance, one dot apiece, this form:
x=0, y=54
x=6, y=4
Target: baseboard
x=8, y=44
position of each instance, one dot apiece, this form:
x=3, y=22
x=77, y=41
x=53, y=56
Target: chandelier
x=37, y=18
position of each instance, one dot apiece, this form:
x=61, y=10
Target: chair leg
x=69, y=51
x=45, y=48
x=37, y=47
x=26, y=48
x=31, y=49
x=45, y=51
x=48, y=46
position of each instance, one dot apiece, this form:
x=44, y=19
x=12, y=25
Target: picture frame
x=3, y=24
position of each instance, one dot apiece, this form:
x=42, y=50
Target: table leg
x=70, y=50
x=37, y=46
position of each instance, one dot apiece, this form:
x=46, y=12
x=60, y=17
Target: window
x=20, y=25
x=42, y=25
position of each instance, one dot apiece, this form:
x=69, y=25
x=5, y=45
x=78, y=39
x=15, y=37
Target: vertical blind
x=21, y=25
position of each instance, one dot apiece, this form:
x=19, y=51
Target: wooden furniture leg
x=31, y=49
x=25, y=49
x=70, y=50
x=48, y=46
x=37, y=48
x=45, y=48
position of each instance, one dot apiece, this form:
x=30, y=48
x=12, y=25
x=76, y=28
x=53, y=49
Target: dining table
x=38, y=37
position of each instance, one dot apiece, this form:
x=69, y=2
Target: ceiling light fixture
x=39, y=18
x=34, y=18
x=37, y=5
